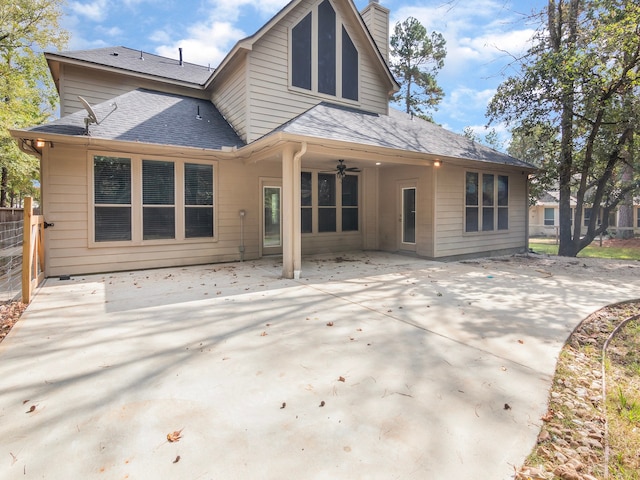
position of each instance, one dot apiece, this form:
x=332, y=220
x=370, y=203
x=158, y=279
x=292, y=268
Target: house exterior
x=288, y=147
x=544, y=215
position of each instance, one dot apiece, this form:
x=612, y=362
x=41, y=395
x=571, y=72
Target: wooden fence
x=32, y=251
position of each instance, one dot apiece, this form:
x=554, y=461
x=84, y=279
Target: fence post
x=26, y=250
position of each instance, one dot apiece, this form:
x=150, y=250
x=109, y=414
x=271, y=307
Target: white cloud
x=465, y=103
x=206, y=43
x=479, y=32
x=95, y=11
x=110, y=32
x=232, y=10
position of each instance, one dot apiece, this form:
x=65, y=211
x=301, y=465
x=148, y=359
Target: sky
x=483, y=38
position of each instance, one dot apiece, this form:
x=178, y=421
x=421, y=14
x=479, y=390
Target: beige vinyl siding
x=270, y=100
x=331, y=242
x=67, y=204
x=230, y=97
x=451, y=238
x=389, y=204
x=377, y=22
x=98, y=86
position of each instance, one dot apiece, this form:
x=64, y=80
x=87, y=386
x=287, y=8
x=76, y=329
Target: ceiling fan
x=341, y=169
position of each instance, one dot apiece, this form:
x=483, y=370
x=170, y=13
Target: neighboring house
x=544, y=215
x=189, y=165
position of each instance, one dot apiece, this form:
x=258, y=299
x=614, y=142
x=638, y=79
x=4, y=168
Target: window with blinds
x=158, y=200
x=112, y=198
x=173, y=200
x=198, y=200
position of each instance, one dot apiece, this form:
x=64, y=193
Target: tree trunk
x=557, y=23
x=4, y=181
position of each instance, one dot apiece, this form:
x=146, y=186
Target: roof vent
x=115, y=54
x=180, y=52
x=141, y=56
x=198, y=117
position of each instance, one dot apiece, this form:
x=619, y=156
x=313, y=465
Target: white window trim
x=137, y=205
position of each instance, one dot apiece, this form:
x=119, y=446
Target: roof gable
x=247, y=43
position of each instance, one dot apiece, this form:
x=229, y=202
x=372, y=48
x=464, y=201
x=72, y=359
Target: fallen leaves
x=174, y=436
x=9, y=314
x=177, y=459
x=547, y=417
x=341, y=379
x=329, y=324
x=31, y=409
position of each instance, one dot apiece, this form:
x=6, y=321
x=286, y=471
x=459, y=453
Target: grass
x=623, y=403
x=592, y=251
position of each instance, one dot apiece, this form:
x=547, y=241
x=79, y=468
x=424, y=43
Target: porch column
x=291, y=238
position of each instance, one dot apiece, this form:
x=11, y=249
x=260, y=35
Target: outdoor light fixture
x=39, y=143
x=437, y=163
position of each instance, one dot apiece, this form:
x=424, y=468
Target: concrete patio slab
x=371, y=366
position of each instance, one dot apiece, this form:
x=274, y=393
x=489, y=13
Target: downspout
x=297, y=227
x=526, y=209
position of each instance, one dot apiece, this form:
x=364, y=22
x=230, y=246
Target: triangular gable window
x=321, y=61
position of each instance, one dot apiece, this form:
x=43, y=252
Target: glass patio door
x=407, y=217
x=271, y=219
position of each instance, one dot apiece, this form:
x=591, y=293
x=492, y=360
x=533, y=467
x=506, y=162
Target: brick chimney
x=376, y=18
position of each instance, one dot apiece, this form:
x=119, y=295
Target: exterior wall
x=230, y=97
x=450, y=235
x=271, y=102
x=536, y=222
x=97, y=86
x=376, y=18
x=66, y=203
x=391, y=179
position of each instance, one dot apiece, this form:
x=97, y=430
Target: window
x=587, y=216
x=158, y=199
x=326, y=202
x=322, y=61
x=349, y=68
x=326, y=48
x=638, y=217
x=488, y=202
x=162, y=195
x=198, y=200
x=471, y=202
x=349, y=203
x=112, y=198
x=503, y=202
x=334, y=203
x=549, y=216
x=301, y=54
x=306, y=224
x=493, y=214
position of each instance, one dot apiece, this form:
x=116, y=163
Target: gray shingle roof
x=130, y=60
x=153, y=117
x=397, y=131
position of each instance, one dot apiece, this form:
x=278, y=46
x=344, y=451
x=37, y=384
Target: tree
x=581, y=78
x=27, y=94
x=416, y=59
x=491, y=138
